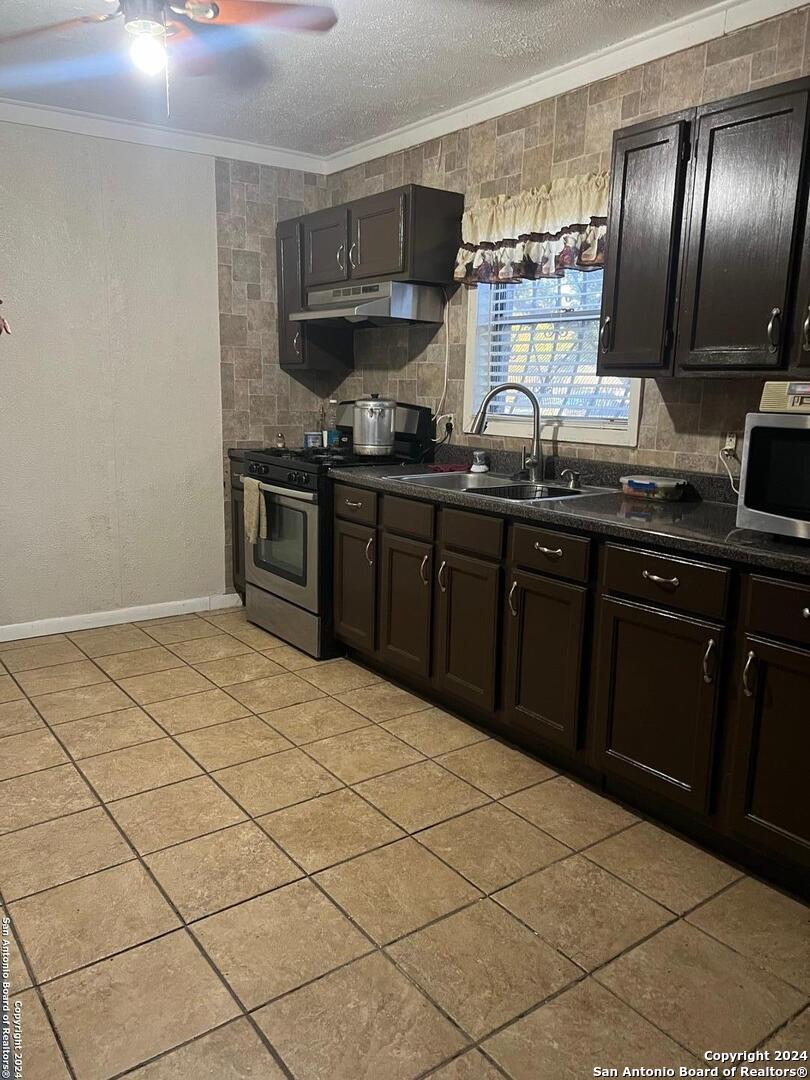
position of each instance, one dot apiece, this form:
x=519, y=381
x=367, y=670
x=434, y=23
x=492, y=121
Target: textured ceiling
x=388, y=63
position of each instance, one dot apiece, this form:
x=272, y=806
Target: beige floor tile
x=278, y=941
x=583, y=911
x=217, y=647
x=288, y=657
x=184, y=628
x=396, y=889
x=226, y=621
x=18, y=977
x=232, y=1052
x=110, y=731
x=83, y=921
x=127, y=1009
x=25, y=643
x=671, y=871
x=421, y=795
x=470, y=1066
x=700, y=992
x=339, y=676
x=364, y=1022
x=54, y=852
x=238, y=669
x=256, y=638
x=160, y=685
x=570, y=812
x=176, y=813
x=67, y=705
x=495, y=768
x=52, y=793
x=271, y=783
x=106, y=640
x=47, y=680
x=196, y=711
x=359, y=755
x=764, y=925
x=582, y=1028
x=327, y=830
x=223, y=868
x=232, y=743
x=18, y=716
x=434, y=731
x=42, y=1058
x=29, y=752
x=265, y=695
x=138, y=662
x=312, y=720
x=173, y=620
x=382, y=702
x=9, y=690
x=492, y=847
x=138, y=768
x=793, y=1036
x=35, y=655
x=482, y=967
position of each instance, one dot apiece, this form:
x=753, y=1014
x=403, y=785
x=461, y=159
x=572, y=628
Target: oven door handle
x=288, y=493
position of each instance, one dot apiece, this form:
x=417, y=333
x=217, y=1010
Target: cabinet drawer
x=675, y=583
x=407, y=516
x=476, y=533
x=355, y=504
x=550, y=552
x=779, y=609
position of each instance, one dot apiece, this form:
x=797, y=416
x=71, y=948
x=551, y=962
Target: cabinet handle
x=297, y=343
x=806, y=612
x=774, y=328
x=708, y=673
x=369, y=559
x=353, y=505
x=604, y=335
x=352, y=263
x=748, y=690
x=441, y=578
x=669, y=582
x=806, y=333
x=512, y=592
x=553, y=553
x=423, y=570
x=339, y=256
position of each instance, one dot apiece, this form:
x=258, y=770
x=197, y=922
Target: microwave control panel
x=788, y=397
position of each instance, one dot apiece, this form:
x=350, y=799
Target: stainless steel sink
x=456, y=481
x=531, y=492
x=496, y=486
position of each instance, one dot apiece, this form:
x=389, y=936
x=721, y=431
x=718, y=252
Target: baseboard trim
x=68, y=623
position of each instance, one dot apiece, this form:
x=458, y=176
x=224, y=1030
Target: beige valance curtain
x=538, y=233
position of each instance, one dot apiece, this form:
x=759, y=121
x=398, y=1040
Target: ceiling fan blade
x=19, y=35
x=266, y=13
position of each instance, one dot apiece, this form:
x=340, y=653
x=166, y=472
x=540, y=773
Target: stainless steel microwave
x=775, y=477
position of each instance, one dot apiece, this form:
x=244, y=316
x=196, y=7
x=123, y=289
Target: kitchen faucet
x=534, y=462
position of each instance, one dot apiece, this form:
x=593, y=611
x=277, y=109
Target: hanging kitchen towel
x=255, y=512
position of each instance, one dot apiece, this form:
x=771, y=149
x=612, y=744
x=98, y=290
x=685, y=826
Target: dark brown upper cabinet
x=377, y=247
x=326, y=244
x=650, y=164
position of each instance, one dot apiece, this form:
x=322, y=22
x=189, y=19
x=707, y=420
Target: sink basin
x=456, y=481
x=496, y=485
x=531, y=492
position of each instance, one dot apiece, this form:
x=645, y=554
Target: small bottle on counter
x=479, y=461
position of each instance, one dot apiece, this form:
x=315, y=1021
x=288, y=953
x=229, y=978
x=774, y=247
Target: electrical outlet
x=731, y=442
x=450, y=419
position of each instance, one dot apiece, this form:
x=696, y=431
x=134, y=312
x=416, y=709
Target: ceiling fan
x=194, y=25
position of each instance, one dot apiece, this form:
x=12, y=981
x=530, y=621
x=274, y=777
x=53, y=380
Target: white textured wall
x=110, y=416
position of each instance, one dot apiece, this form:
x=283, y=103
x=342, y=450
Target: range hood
x=374, y=305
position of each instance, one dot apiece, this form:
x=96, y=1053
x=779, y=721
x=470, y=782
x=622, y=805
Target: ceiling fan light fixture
x=148, y=54
x=144, y=18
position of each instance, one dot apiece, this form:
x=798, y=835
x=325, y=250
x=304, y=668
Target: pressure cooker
x=374, y=425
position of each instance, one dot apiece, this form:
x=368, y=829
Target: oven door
x=775, y=477
x=286, y=562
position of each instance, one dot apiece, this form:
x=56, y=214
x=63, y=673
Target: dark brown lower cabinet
x=656, y=700
x=406, y=589
x=542, y=656
x=238, y=539
x=467, y=627
x=355, y=584
x=770, y=805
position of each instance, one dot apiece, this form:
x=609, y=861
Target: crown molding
x=713, y=22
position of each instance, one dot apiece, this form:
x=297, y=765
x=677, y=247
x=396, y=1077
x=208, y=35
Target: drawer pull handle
x=668, y=582
x=806, y=612
x=440, y=577
x=708, y=671
x=604, y=335
x=340, y=262
x=774, y=330
x=423, y=570
x=553, y=553
x=353, y=505
x=512, y=592
x=369, y=557
x=748, y=689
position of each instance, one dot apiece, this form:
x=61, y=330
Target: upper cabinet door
x=291, y=343
x=643, y=237
x=326, y=236
x=377, y=244
x=745, y=214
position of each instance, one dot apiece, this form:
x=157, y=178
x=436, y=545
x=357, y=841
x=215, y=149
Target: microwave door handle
x=288, y=493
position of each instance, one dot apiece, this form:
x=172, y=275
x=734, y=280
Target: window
x=544, y=333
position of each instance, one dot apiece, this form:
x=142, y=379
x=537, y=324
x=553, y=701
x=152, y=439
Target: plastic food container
x=668, y=488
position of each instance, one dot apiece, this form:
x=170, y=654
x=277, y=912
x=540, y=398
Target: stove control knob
x=291, y=477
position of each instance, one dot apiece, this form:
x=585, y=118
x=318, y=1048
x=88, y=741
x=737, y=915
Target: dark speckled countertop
x=700, y=528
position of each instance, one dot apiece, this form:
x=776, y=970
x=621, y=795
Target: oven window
x=778, y=477
x=284, y=552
